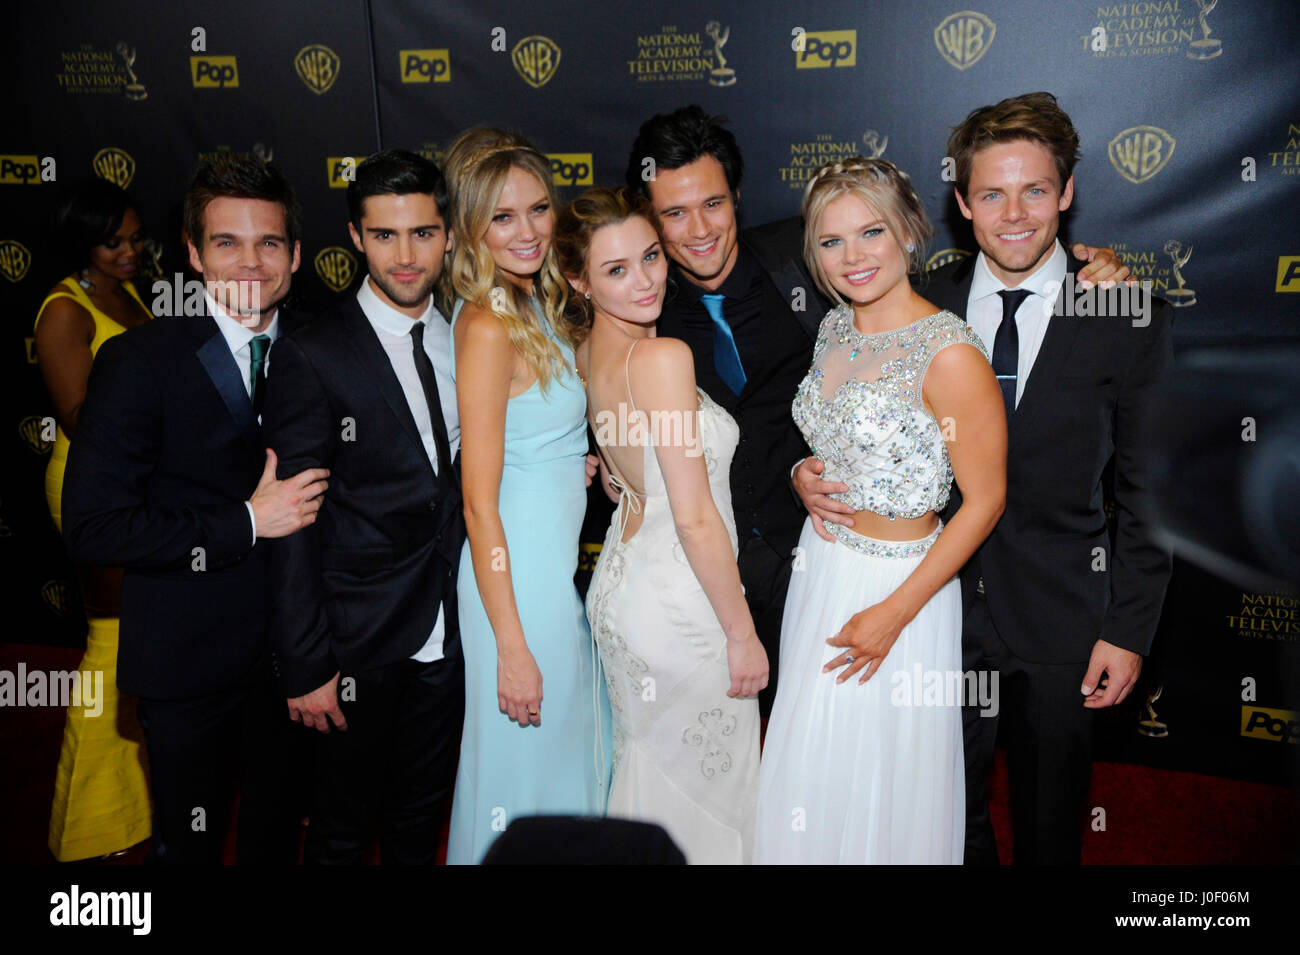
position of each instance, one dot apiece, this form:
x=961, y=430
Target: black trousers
x=765, y=564
x=202, y=750
x=1048, y=734
x=394, y=765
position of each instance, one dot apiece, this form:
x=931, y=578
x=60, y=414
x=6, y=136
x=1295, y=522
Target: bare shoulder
x=480, y=327
x=663, y=356
x=64, y=315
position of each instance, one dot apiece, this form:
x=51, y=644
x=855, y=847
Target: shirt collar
x=984, y=283
x=236, y=334
x=386, y=318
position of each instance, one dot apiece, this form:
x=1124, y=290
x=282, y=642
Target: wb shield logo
x=827, y=48
x=536, y=58
x=57, y=595
x=214, y=72
x=964, y=37
x=31, y=429
x=336, y=267
x=570, y=169
x=14, y=260
x=318, y=67
x=1139, y=152
x=115, y=165
x=20, y=170
x=424, y=66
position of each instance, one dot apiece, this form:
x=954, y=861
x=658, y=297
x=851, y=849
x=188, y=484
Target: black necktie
x=424, y=368
x=1006, y=346
x=257, y=349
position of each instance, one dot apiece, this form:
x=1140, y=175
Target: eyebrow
x=417, y=228
x=232, y=236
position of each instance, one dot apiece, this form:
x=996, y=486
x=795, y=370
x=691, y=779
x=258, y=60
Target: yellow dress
x=101, y=791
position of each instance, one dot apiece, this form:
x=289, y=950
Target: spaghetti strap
x=627, y=380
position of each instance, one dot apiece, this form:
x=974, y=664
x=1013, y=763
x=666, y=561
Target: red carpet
x=1152, y=816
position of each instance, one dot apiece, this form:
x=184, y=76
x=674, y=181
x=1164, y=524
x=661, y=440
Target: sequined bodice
x=860, y=410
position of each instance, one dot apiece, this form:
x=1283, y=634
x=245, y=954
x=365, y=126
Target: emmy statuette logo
x=134, y=90
x=1139, y=152
x=964, y=37
x=1148, y=725
x=1181, y=296
x=874, y=143
x=536, y=58
x=57, y=595
x=14, y=260
x=336, y=267
x=115, y=165
x=720, y=75
x=1206, y=48
x=317, y=66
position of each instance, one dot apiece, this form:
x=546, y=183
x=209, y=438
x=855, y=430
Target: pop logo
x=342, y=170
x=217, y=72
x=424, y=66
x=20, y=170
x=1278, y=725
x=571, y=169
x=1288, y=273
x=827, y=48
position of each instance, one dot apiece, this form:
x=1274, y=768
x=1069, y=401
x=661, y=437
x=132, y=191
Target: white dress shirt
x=984, y=309
x=238, y=339
x=394, y=331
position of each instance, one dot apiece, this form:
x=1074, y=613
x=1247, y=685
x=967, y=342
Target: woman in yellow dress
x=101, y=793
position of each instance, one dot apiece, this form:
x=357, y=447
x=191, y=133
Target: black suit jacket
x=1087, y=404
x=166, y=452
x=360, y=587
x=760, y=483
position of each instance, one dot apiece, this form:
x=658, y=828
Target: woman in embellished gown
x=682, y=661
x=528, y=747
x=870, y=770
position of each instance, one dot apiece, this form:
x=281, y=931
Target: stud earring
x=586, y=295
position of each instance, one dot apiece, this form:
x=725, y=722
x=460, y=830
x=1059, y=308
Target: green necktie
x=258, y=348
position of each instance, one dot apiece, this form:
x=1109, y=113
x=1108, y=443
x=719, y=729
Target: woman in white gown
x=682, y=661
x=870, y=770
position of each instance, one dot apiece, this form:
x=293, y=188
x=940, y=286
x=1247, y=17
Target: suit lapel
x=222, y=369
x=1058, y=341
x=371, y=353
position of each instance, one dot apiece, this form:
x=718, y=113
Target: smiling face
x=1014, y=202
x=118, y=256
x=626, y=271
x=858, y=254
x=246, y=260
x=519, y=234
x=697, y=217
x=403, y=238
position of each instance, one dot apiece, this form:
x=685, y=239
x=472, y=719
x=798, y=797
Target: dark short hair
x=679, y=138
x=1035, y=117
x=396, y=172
x=89, y=215
x=238, y=177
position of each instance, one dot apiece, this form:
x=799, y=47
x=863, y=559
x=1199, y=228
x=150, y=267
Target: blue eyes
x=866, y=234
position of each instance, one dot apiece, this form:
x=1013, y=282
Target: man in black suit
x=172, y=480
x=365, y=599
x=1061, y=616
x=745, y=304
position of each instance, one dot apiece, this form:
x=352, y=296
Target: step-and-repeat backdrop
x=1189, y=113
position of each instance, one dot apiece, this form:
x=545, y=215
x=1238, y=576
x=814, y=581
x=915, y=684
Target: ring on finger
x=848, y=657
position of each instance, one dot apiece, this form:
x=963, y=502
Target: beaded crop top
x=860, y=410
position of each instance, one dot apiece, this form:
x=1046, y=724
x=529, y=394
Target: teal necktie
x=258, y=348
x=726, y=357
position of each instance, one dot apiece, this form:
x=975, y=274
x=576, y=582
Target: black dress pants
x=394, y=765
x=765, y=564
x=201, y=750
x=1048, y=734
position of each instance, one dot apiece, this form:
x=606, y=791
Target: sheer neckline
x=853, y=325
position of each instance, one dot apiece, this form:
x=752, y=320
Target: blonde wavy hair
x=885, y=189
x=479, y=170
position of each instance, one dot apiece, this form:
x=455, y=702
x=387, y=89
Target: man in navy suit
x=172, y=480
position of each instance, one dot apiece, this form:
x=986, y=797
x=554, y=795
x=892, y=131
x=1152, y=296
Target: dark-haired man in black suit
x=745, y=304
x=1059, y=614
x=170, y=477
x=365, y=599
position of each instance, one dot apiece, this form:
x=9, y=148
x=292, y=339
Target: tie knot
x=713, y=304
x=258, y=345
x=417, y=334
x=1011, y=299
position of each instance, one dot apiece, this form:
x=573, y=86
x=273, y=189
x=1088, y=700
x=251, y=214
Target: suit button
x=749, y=489
x=433, y=505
